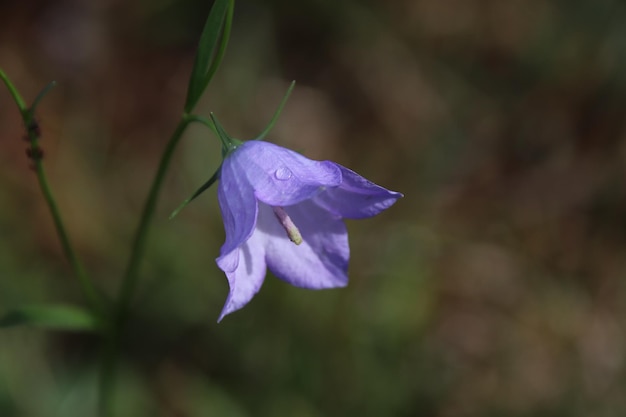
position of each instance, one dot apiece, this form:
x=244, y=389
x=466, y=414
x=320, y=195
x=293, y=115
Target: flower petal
x=281, y=177
x=239, y=212
x=356, y=197
x=320, y=261
x=246, y=280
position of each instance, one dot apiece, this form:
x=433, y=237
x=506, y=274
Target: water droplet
x=282, y=174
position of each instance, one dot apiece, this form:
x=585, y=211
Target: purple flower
x=284, y=212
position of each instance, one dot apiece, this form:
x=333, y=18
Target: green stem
x=85, y=283
x=129, y=281
x=109, y=364
x=14, y=93
x=202, y=120
x=28, y=117
x=108, y=370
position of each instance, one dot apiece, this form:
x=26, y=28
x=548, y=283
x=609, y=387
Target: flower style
x=284, y=212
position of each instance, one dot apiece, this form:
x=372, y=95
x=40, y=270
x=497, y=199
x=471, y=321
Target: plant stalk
x=110, y=353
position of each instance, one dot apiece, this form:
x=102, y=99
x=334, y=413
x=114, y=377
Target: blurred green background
x=494, y=288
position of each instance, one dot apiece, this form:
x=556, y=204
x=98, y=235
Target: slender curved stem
x=35, y=153
x=14, y=93
x=85, y=283
x=203, y=120
x=129, y=281
x=109, y=363
x=108, y=370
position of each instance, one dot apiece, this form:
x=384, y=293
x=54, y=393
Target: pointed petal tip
x=221, y=316
x=246, y=279
x=228, y=308
x=356, y=197
x=394, y=196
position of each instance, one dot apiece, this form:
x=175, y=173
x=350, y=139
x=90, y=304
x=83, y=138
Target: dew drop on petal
x=282, y=174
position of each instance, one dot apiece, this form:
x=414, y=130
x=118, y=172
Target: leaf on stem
x=211, y=50
x=200, y=190
x=41, y=95
x=53, y=317
x=277, y=113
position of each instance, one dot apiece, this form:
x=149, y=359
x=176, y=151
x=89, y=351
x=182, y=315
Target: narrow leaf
x=219, y=55
x=54, y=317
x=277, y=113
x=208, y=50
x=200, y=190
x=224, y=137
x=41, y=95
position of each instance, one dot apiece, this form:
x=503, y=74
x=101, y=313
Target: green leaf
x=54, y=317
x=200, y=190
x=224, y=137
x=41, y=95
x=211, y=50
x=277, y=113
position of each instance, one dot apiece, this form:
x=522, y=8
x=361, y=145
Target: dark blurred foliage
x=494, y=288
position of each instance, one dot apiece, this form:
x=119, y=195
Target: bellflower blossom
x=284, y=212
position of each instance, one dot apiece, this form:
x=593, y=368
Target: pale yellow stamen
x=292, y=231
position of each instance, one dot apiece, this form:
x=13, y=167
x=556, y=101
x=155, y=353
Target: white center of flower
x=292, y=231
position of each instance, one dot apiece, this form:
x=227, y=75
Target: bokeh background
x=494, y=288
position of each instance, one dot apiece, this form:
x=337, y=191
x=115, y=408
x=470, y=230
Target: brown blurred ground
x=495, y=287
